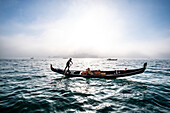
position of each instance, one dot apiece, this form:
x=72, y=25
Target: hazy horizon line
x=67, y=57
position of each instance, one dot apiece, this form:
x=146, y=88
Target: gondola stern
x=145, y=65
x=56, y=69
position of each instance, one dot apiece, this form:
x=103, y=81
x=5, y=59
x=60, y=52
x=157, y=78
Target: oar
x=64, y=74
x=61, y=78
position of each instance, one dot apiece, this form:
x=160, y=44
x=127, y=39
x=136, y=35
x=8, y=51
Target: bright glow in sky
x=85, y=28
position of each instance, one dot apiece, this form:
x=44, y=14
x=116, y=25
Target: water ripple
x=29, y=86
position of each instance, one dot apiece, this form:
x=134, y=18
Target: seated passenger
x=88, y=72
x=125, y=69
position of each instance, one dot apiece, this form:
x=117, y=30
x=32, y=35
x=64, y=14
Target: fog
x=87, y=29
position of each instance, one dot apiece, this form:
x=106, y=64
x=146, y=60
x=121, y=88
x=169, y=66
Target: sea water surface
x=29, y=86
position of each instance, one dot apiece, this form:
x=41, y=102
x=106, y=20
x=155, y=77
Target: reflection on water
x=28, y=85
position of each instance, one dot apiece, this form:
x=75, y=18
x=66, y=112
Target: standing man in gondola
x=68, y=64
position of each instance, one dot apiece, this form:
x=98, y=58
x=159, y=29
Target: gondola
x=111, y=59
x=101, y=74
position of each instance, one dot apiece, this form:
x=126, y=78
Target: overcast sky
x=85, y=28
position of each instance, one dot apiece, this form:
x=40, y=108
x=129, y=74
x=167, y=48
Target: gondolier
x=68, y=64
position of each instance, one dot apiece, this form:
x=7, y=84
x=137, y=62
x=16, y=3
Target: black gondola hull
x=109, y=74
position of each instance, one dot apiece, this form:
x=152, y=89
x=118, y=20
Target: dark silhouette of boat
x=101, y=74
x=112, y=59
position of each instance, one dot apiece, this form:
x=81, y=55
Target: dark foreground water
x=29, y=86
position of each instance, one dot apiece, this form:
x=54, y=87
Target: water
x=29, y=86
